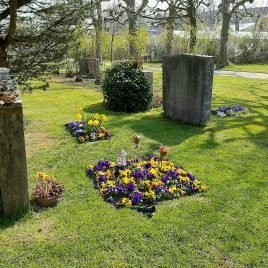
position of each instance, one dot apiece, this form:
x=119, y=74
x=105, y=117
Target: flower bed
x=229, y=111
x=88, y=128
x=141, y=184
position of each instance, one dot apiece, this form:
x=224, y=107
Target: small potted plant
x=47, y=190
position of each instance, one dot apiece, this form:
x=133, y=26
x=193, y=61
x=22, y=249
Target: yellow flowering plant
x=88, y=127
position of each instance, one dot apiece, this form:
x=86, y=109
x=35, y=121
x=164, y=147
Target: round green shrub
x=126, y=89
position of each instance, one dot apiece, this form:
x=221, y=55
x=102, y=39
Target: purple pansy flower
x=190, y=176
x=136, y=198
x=102, y=178
x=130, y=187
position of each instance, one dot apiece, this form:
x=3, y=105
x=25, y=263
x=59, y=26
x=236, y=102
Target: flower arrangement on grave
x=47, y=190
x=141, y=184
x=88, y=127
x=224, y=111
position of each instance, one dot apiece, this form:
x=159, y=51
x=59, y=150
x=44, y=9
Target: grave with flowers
x=88, y=127
x=224, y=111
x=141, y=184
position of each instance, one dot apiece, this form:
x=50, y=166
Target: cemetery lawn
x=225, y=227
x=254, y=68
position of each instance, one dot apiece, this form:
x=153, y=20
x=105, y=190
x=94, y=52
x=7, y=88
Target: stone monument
x=150, y=77
x=14, y=196
x=187, y=88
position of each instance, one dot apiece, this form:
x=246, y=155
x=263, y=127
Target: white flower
x=93, y=136
x=221, y=114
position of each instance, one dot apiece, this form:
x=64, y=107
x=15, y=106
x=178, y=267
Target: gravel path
x=225, y=73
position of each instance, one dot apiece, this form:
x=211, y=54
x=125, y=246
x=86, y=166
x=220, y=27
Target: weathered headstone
x=93, y=68
x=13, y=169
x=150, y=77
x=83, y=67
x=187, y=88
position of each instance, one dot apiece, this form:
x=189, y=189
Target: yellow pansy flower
x=203, y=188
x=184, y=179
x=96, y=116
x=82, y=139
x=157, y=183
x=182, y=192
x=110, y=183
x=110, y=173
x=79, y=117
x=90, y=122
x=172, y=189
x=125, y=180
x=182, y=172
x=96, y=122
x=152, y=171
x=124, y=173
x=104, y=118
x=126, y=201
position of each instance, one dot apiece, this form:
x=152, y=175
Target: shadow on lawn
x=9, y=222
x=168, y=132
x=255, y=119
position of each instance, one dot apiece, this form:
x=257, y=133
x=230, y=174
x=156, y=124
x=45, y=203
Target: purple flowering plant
x=230, y=111
x=142, y=183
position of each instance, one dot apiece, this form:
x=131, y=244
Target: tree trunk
x=170, y=30
x=132, y=29
x=112, y=46
x=98, y=29
x=193, y=37
x=237, y=23
x=3, y=56
x=193, y=23
x=226, y=20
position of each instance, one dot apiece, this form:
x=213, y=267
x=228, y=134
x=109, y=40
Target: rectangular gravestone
x=94, y=69
x=13, y=169
x=150, y=77
x=187, y=88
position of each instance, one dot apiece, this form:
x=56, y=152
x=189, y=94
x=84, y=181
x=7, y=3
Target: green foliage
x=248, y=49
x=126, y=89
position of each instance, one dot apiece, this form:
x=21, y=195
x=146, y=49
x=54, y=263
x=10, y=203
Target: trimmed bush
x=126, y=89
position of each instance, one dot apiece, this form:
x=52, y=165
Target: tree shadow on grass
x=6, y=222
x=255, y=119
x=165, y=131
x=152, y=124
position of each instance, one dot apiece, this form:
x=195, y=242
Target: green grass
x=255, y=68
x=226, y=227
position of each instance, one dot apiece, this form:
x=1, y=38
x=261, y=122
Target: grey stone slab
x=187, y=88
x=13, y=168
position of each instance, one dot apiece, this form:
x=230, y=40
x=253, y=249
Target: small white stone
x=1, y=103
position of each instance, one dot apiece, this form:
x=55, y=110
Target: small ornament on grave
x=121, y=158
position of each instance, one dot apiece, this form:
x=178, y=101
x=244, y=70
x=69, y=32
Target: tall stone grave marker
x=187, y=88
x=14, y=196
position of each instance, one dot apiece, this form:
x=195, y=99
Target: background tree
x=178, y=12
x=227, y=8
x=132, y=11
x=8, y=23
x=97, y=21
x=36, y=34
